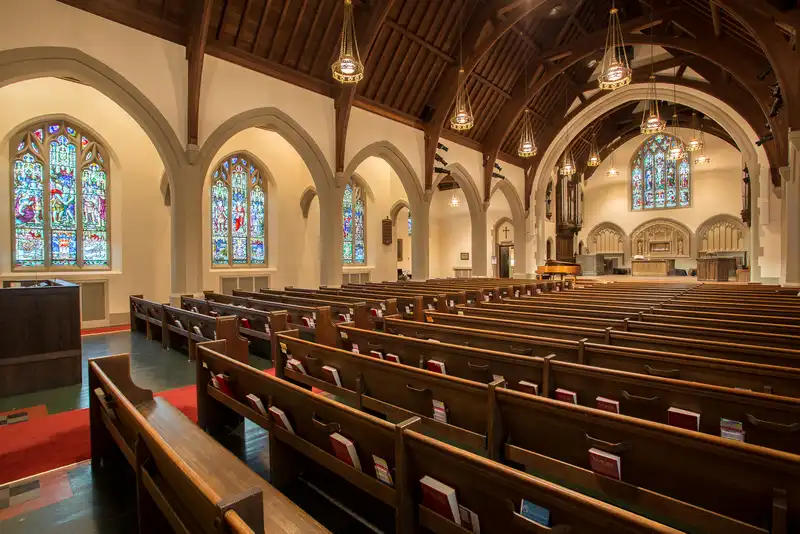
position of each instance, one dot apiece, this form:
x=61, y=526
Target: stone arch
x=496, y=228
x=606, y=238
x=518, y=215
x=580, y=248
x=274, y=120
x=22, y=64
x=360, y=182
x=268, y=176
x=109, y=148
x=468, y=187
x=395, y=210
x=396, y=160
x=721, y=233
x=674, y=239
x=731, y=121
x=549, y=249
x=306, y=199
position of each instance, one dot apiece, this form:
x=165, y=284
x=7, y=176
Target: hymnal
x=452, y=304
x=430, y=306
x=256, y=404
x=355, y=348
x=538, y=291
x=284, y=348
x=439, y=411
x=194, y=309
x=221, y=382
x=389, y=357
x=469, y=520
x=245, y=322
x=196, y=330
x=408, y=309
x=382, y=472
x=307, y=322
x=436, y=366
x=280, y=419
x=376, y=354
x=606, y=464
x=730, y=429
x=528, y=387
x=345, y=450
x=332, y=375
x=566, y=395
x=296, y=365
x=179, y=324
x=683, y=419
x=534, y=512
x=440, y=498
x=607, y=405
x=267, y=329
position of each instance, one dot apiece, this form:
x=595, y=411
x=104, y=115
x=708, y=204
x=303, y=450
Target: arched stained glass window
x=60, y=198
x=409, y=223
x=354, y=208
x=238, y=199
x=656, y=181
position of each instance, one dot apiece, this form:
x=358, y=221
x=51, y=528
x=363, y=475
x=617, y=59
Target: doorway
x=505, y=261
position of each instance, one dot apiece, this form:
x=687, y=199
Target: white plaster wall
x=450, y=233
x=139, y=221
x=716, y=189
x=401, y=232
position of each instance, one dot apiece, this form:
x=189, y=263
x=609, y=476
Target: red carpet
x=62, y=439
x=106, y=330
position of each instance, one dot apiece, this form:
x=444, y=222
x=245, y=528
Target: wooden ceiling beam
x=716, y=19
x=195, y=55
x=368, y=24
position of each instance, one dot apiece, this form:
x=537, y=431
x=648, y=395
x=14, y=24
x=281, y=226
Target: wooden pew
x=730, y=373
x=323, y=332
x=769, y=420
x=750, y=347
x=407, y=305
x=146, y=317
x=358, y=311
x=255, y=325
x=489, y=489
x=433, y=297
x=387, y=305
x=667, y=471
x=184, y=478
x=196, y=328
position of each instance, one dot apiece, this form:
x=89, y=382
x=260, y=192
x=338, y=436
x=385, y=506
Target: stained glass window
x=60, y=199
x=409, y=224
x=354, y=247
x=656, y=181
x=238, y=208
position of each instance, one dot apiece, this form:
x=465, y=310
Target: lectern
x=40, y=336
x=715, y=269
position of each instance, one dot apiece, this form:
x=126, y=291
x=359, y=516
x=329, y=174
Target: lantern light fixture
x=616, y=70
x=348, y=68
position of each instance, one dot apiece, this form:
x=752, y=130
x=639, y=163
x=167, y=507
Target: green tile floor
x=108, y=506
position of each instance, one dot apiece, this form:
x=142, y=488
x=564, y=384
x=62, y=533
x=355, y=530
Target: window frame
x=250, y=161
x=635, y=157
x=355, y=186
x=27, y=136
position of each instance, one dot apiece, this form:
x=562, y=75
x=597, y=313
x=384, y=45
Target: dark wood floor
x=97, y=505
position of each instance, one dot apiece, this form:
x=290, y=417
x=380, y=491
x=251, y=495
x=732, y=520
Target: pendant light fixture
x=675, y=144
x=613, y=172
x=651, y=117
x=527, y=145
x=695, y=143
x=454, y=202
x=594, y=155
x=702, y=159
x=616, y=70
x=567, y=163
x=462, y=118
x=348, y=67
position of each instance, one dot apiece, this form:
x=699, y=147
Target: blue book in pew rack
x=535, y=513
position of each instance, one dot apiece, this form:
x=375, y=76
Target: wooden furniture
x=184, y=478
x=657, y=267
x=715, y=269
x=491, y=490
x=743, y=275
x=40, y=346
x=559, y=268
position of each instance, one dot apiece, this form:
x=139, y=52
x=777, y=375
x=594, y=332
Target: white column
x=186, y=193
x=791, y=210
x=755, y=219
x=521, y=248
x=480, y=235
x=330, y=235
x=420, y=240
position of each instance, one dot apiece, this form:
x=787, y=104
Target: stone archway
x=518, y=217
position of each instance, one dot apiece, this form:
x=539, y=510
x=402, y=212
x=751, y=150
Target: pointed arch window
x=238, y=209
x=59, y=198
x=658, y=182
x=354, y=210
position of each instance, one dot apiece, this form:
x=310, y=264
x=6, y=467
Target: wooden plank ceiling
x=297, y=40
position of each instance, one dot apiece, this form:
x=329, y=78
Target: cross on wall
x=505, y=232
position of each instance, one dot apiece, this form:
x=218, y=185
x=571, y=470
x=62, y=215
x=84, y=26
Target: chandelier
x=527, y=145
x=651, y=118
x=616, y=71
x=454, y=202
x=613, y=172
x=594, y=156
x=702, y=159
x=462, y=118
x=348, y=67
x=675, y=145
x=567, y=164
x=695, y=143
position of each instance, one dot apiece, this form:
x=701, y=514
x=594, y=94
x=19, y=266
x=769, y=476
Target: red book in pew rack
x=280, y=419
x=606, y=464
x=221, y=382
x=345, y=450
x=332, y=375
x=683, y=419
x=436, y=366
x=565, y=395
x=440, y=498
x=245, y=322
x=528, y=387
x=389, y=357
x=607, y=405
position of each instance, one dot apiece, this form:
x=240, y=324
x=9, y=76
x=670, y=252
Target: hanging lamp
x=527, y=145
x=567, y=163
x=651, y=117
x=454, y=202
x=675, y=145
x=695, y=143
x=613, y=172
x=616, y=70
x=462, y=118
x=348, y=67
x=702, y=159
x=594, y=155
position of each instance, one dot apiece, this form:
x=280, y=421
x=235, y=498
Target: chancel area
x=400, y=266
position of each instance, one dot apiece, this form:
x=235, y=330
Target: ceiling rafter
x=195, y=55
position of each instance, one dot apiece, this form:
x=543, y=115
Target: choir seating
x=185, y=480
x=668, y=472
x=491, y=490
